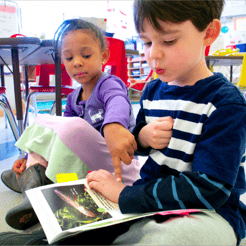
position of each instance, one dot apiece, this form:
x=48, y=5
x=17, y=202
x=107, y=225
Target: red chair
x=117, y=59
x=42, y=74
x=140, y=86
x=207, y=50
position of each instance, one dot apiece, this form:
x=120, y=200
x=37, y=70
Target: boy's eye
x=68, y=58
x=147, y=44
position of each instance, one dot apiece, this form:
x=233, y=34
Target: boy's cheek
x=149, y=61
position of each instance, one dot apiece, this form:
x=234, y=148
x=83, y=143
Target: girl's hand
x=156, y=134
x=121, y=145
x=19, y=166
x=105, y=183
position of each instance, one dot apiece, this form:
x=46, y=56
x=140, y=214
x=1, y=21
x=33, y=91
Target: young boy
x=202, y=167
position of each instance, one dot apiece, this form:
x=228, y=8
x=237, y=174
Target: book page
x=65, y=209
x=102, y=202
x=73, y=206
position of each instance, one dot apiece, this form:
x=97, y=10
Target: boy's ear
x=212, y=32
x=105, y=56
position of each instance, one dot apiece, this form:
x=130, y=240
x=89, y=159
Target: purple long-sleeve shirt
x=108, y=103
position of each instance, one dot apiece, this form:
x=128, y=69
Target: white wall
x=234, y=9
x=42, y=18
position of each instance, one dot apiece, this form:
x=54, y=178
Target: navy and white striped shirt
x=203, y=165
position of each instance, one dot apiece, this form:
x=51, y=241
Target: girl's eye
x=147, y=44
x=86, y=56
x=170, y=42
x=69, y=58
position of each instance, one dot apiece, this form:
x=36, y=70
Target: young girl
x=75, y=143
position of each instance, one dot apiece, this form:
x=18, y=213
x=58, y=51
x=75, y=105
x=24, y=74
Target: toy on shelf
x=242, y=80
x=227, y=52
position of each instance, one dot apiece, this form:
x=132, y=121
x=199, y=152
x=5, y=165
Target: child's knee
x=78, y=131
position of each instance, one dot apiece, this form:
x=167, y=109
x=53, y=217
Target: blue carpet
x=45, y=106
x=8, y=150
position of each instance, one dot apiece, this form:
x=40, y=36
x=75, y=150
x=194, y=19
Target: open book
x=66, y=209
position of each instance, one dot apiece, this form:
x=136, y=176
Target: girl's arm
x=114, y=95
x=121, y=145
x=120, y=142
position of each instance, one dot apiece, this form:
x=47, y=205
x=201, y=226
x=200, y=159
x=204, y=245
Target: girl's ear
x=212, y=32
x=105, y=56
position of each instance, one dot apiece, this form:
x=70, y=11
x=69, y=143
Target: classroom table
x=45, y=54
x=224, y=61
x=12, y=51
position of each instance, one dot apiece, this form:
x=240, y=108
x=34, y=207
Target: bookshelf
x=138, y=68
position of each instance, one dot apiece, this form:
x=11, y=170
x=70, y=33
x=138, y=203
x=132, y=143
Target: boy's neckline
x=198, y=83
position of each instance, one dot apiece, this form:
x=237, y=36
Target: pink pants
x=61, y=135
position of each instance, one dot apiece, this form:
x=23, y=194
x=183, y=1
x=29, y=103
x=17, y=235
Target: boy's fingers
x=167, y=134
x=165, y=125
x=117, y=168
x=167, y=118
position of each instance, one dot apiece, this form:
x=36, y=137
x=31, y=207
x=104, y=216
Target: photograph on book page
x=73, y=206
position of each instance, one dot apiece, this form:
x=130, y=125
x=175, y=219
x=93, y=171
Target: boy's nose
x=155, y=63
x=155, y=52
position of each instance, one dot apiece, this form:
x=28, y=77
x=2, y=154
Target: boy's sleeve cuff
x=135, y=132
x=130, y=200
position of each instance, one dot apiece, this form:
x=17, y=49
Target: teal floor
x=45, y=106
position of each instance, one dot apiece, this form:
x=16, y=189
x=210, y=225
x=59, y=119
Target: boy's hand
x=105, y=183
x=156, y=134
x=19, y=166
x=121, y=145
